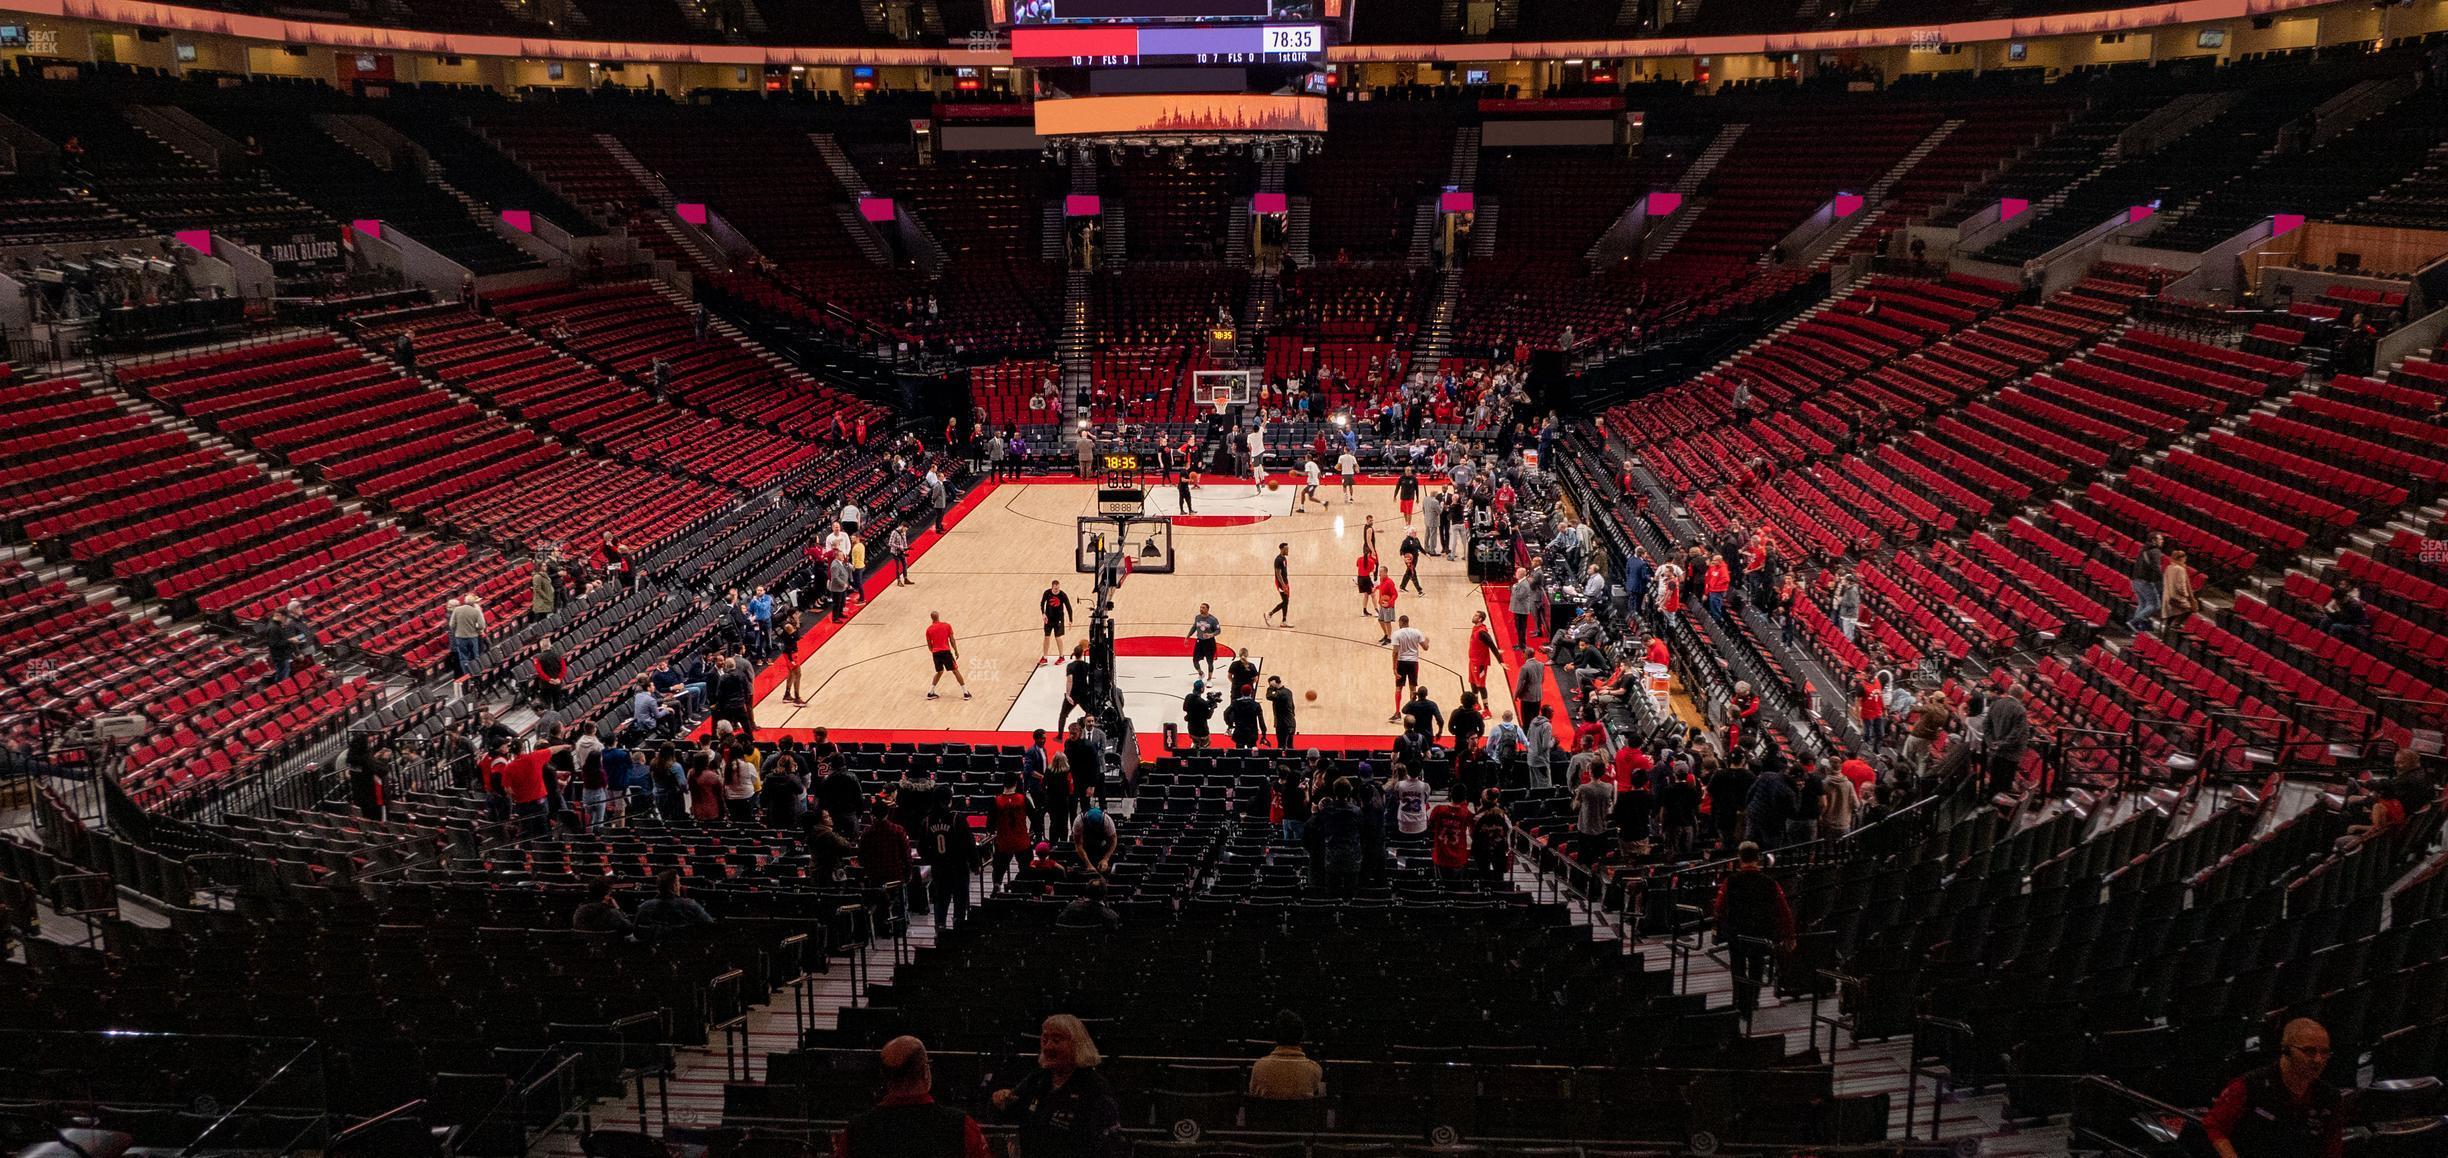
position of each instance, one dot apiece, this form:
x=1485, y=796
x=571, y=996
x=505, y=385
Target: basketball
x=1310, y=695
x=1273, y=485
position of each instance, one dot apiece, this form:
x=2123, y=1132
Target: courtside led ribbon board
x=1663, y=204
x=1268, y=203
x=519, y=219
x=1082, y=205
x=878, y=210
x=693, y=212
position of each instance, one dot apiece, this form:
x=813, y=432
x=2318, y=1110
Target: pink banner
x=2285, y=223
x=2010, y=208
x=1847, y=204
x=2140, y=213
x=368, y=226
x=693, y=212
x=519, y=219
x=1664, y=204
x=1269, y=203
x=1456, y=202
x=200, y=240
x=1082, y=205
x=878, y=210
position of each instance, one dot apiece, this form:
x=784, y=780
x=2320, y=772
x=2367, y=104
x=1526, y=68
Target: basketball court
x=869, y=676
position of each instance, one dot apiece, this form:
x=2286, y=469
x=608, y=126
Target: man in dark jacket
x=1279, y=702
x=2005, y=732
x=1771, y=808
x=1244, y=719
x=1754, y=920
x=907, y=1122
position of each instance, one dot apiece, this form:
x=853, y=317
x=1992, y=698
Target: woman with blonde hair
x=1065, y=1109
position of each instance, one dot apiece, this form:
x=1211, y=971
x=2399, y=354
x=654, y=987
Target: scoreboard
x=1095, y=46
x=1150, y=11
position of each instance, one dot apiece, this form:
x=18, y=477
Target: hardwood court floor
x=985, y=576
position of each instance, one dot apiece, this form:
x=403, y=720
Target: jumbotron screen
x=1110, y=46
x=1025, y=12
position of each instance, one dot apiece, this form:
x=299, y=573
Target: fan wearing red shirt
x=1367, y=565
x=1482, y=653
x=527, y=781
x=1870, y=701
x=1657, y=651
x=946, y=653
x=1714, y=584
x=1630, y=761
x=1449, y=833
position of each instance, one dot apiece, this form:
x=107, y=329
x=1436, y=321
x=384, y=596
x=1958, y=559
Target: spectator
x=2006, y=731
x=551, y=676
x=1870, y=707
x=1771, y=809
x=884, y=854
x=1009, y=820
x=1089, y=910
x=2281, y=1110
x=1094, y=837
x=782, y=796
x=1594, y=816
x=2177, y=600
x=1288, y=1074
x=950, y=851
x=600, y=913
x=1754, y=920
x=740, y=781
x=1334, y=831
x=828, y=849
x=540, y=590
x=907, y=1122
x=1492, y=836
x=1839, y=803
x=1929, y=721
x=467, y=626
x=2149, y=571
x=1065, y=1109
x=527, y=781
x=1449, y=833
x=369, y=775
x=670, y=910
x=705, y=787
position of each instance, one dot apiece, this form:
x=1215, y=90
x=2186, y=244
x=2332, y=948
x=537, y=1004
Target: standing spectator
x=950, y=852
x=896, y=545
x=939, y=497
x=884, y=856
x=1751, y=909
x=782, y=795
x=1717, y=580
x=1449, y=833
x=1594, y=815
x=549, y=688
x=288, y=636
x=2006, y=731
x=740, y=783
x=1772, y=809
x=1009, y=821
x=1530, y=688
x=1065, y=1109
x=1492, y=836
x=1542, y=743
x=1848, y=606
x=1870, y=706
x=1336, y=832
x=907, y=1122
x=1839, y=805
x=2281, y=1110
x=705, y=787
x=1929, y=721
x=467, y=627
x=2177, y=599
x=1292, y=804
x=369, y=775
x=839, y=578
x=1522, y=602
x=540, y=590
x=2149, y=572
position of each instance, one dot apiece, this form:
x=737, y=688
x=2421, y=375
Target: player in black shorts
x=1076, y=675
x=1204, y=628
x=1056, y=605
x=1283, y=585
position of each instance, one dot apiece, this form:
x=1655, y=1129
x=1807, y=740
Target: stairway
x=1463, y=171
x=1257, y=317
x=1423, y=234
x=700, y=249
x=637, y=170
x=1296, y=232
x=752, y=20
x=1237, y=237
x=1436, y=335
x=1874, y=202
x=863, y=235
x=1483, y=229
x=1117, y=237
x=1073, y=346
x=1706, y=162
x=1050, y=232
x=845, y=173
x=930, y=19
x=1508, y=15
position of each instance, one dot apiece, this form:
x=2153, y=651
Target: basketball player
x=1387, y=595
x=1309, y=485
x=947, y=655
x=1347, y=465
x=1056, y=605
x=1368, y=583
x=1203, y=631
x=1482, y=653
x=1076, y=677
x=1181, y=491
x=1283, y=585
x=1410, y=552
x=1408, y=642
x=1368, y=534
x=1406, y=492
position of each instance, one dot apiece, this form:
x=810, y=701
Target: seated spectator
x=670, y=910
x=2283, y=1108
x=601, y=914
x=907, y=1122
x=1089, y=910
x=647, y=711
x=1287, y=1074
x=828, y=849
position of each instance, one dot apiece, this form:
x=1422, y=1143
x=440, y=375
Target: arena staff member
x=2284, y=1108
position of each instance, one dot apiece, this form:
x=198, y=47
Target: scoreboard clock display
x=1113, y=45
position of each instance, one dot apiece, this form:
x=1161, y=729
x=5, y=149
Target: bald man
x=2282, y=1110
x=906, y=1122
